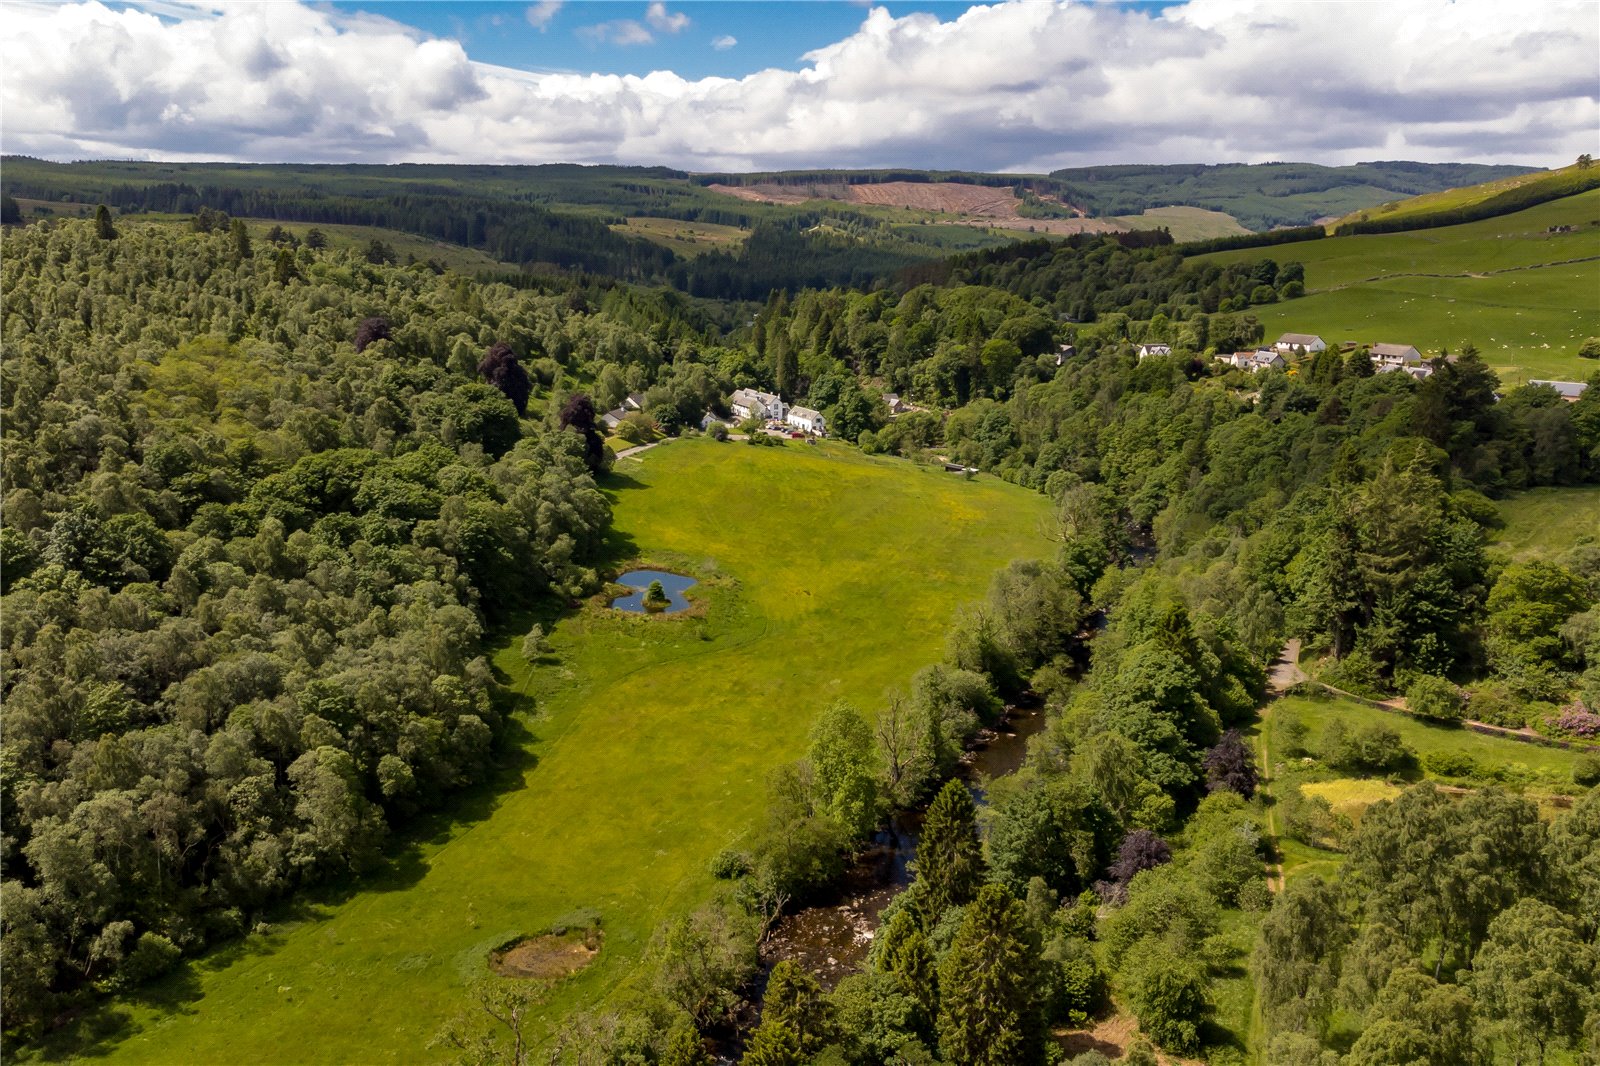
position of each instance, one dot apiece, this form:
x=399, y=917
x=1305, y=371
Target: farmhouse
x=710, y=419
x=1147, y=350
x=748, y=403
x=897, y=406
x=1266, y=359
x=1567, y=390
x=1303, y=342
x=807, y=421
x=1394, y=356
x=634, y=402
x=611, y=419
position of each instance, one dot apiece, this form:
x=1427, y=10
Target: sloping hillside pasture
x=1525, y=296
x=688, y=239
x=824, y=575
x=1547, y=521
x=1452, y=199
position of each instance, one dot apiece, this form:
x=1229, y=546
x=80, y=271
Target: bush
x=718, y=431
x=1450, y=764
x=1590, y=348
x=1358, y=673
x=1373, y=748
x=1167, y=993
x=153, y=956
x=729, y=865
x=1587, y=771
x=1494, y=702
x=1575, y=720
x=1436, y=698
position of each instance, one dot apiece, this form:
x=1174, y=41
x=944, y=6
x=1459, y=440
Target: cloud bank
x=1013, y=86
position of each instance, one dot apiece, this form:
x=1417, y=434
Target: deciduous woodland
x=272, y=507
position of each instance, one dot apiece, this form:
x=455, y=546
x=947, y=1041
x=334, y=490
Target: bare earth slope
x=973, y=205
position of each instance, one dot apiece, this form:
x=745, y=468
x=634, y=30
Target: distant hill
x=1267, y=195
x=1473, y=202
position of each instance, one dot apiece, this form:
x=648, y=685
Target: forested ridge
x=264, y=501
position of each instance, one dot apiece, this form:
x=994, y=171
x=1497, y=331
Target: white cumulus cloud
x=1028, y=85
x=725, y=42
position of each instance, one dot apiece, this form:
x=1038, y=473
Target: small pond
x=639, y=580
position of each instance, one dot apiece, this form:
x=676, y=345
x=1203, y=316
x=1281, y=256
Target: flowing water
x=832, y=937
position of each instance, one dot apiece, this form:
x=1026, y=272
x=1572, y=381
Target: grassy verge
x=643, y=749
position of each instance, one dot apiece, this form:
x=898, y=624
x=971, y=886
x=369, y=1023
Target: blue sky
x=765, y=34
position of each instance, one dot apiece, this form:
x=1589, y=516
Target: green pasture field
x=1184, y=223
x=1545, y=522
x=643, y=748
x=1525, y=296
x=688, y=239
x=1449, y=199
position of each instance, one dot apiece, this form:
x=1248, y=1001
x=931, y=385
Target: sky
x=1017, y=85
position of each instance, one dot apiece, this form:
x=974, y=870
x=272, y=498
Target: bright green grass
x=829, y=575
x=1505, y=284
x=1546, y=522
x=688, y=239
x=1535, y=763
x=1184, y=223
x=1448, y=199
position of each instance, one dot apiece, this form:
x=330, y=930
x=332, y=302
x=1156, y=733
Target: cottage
x=1301, y=342
x=709, y=419
x=807, y=421
x=897, y=406
x=634, y=401
x=612, y=419
x=1238, y=360
x=1065, y=352
x=1567, y=390
x=1147, y=350
x=1266, y=359
x=1394, y=356
x=748, y=403
x=1418, y=373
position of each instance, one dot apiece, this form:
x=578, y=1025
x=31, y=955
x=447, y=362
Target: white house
x=1266, y=359
x=1147, y=350
x=710, y=419
x=897, y=406
x=1063, y=353
x=1567, y=390
x=1238, y=360
x=1305, y=342
x=1418, y=373
x=611, y=419
x=1394, y=356
x=807, y=421
x=748, y=403
x=634, y=402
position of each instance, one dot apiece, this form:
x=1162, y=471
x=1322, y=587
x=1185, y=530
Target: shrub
x=718, y=431
x=1494, y=702
x=1373, y=748
x=1450, y=764
x=1575, y=720
x=1436, y=698
x=1587, y=771
x=1590, y=348
x=1358, y=673
x=151, y=957
x=729, y=864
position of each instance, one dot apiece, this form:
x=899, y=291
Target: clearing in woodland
x=825, y=574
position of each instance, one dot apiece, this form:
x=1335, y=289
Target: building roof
x=1302, y=339
x=1569, y=390
x=804, y=412
x=614, y=416
x=1395, y=351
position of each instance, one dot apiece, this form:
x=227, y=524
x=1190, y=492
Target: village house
x=807, y=421
x=710, y=419
x=748, y=403
x=1394, y=356
x=1063, y=353
x=1302, y=342
x=1147, y=350
x=1266, y=359
x=1567, y=390
x=611, y=419
x=897, y=406
x=633, y=402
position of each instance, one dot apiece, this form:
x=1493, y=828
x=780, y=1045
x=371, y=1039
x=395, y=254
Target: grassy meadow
x=645, y=744
x=1525, y=296
x=688, y=239
x=1547, y=521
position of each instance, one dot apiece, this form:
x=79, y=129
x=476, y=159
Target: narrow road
x=1282, y=675
x=628, y=453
